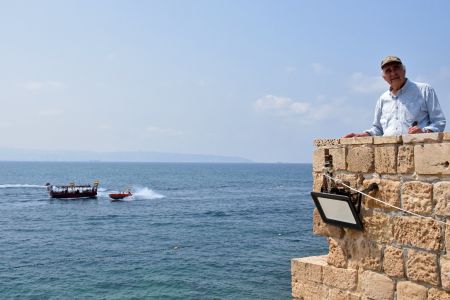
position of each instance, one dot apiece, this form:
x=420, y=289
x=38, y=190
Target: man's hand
x=355, y=135
x=415, y=129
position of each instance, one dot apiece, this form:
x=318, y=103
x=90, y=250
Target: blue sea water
x=190, y=231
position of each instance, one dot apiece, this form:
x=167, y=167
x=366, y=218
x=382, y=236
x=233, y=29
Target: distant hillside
x=131, y=156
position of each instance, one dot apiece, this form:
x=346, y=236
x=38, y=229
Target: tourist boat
x=72, y=190
x=121, y=195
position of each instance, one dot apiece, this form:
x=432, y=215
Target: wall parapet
x=398, y=255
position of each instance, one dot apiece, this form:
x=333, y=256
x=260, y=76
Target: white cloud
x=158, y=131
x=34, y=85
x=281, y=105
x=367, y=84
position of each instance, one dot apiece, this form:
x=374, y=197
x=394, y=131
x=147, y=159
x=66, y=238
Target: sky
x=250, y=78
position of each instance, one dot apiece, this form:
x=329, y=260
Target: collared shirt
x=414, y=102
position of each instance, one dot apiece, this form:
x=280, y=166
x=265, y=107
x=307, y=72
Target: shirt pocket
x=414, y=109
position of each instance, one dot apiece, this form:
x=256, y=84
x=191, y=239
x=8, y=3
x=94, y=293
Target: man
x=407, y=107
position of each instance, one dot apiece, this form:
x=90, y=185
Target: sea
x=190, y=231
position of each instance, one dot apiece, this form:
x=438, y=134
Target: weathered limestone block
x=337, y=294
x=446, y=136
x=417, y=197
x=318, y=180
x=447, y=236
x=344, y=279
x=326, y=142
x=433, y=159
x=388, y=191
x=377, y=226
x=323, y=229
x=360, y=159
x=309, y=291
x=407, y=290
x=422, y=267
x=445, y=272
x=376, y=286
x=355, y=180
x=437, y=294
x=356, y=140
x=337, y=255
x=306, y=276
x=417, y=232
x=441, y=196
x=308, y=268
x=393, y=262
x=364, y=253
x=379, y=140
x=433, y=137
x=338, y=154
x=386, y=159
x=405, y=159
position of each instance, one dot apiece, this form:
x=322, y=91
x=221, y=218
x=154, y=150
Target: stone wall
x=397, y=256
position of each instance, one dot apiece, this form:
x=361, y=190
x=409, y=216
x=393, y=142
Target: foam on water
x=146, y=194
x=18, y=185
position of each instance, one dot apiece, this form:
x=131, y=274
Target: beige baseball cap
x=390, y=59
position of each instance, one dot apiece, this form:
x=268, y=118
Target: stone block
x=318, y=160
x=344, y=279
x=447, y=236
x=405, y=159
x=417, y=232
x=388, y=191
x=337, y=294
x=337, y=255
x=433, y=137
x=446, y=136
x=356, y=140
x=326, y=142
x=407, y=290
x=386, y=159
x=393, y=262
x=422, y=267
x=360, y=159
x=417, y=197
x=380, y=140
x=437, y=294
x=377, y=226
x=445, y=272
x=338, y=154
x=317, y=181
x=354, y=296
x=376, y=286
x=309, y=291
x=308, y=268
x=323, y=229
x=432, y=159
x=441, y=197
x=363, y=253
x=354, y=180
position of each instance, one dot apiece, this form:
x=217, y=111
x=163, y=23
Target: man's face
x=394, y=74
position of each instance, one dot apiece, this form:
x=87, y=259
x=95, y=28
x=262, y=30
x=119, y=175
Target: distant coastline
x=10, y=154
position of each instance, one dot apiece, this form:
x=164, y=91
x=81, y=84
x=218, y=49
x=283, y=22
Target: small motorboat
x=120, y=196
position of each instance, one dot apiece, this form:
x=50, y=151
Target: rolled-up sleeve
x=435, y=113
x=376, y=128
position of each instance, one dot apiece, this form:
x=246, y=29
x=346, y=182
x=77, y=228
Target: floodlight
x=338, y=210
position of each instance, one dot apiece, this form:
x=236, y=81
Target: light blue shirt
x=414, y=102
